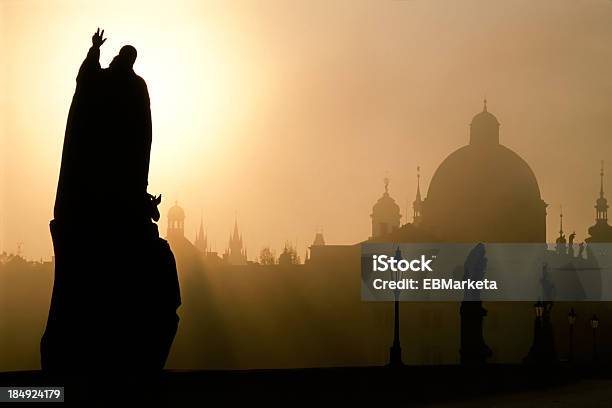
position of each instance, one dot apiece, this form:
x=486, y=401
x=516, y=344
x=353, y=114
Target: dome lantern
x=484, y=129
x=385, y=214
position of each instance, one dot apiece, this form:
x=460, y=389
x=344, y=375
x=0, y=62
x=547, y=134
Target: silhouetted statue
x=543, y=350
x=116, y=289
x=570, y=245
x=548, y=286
x=474, y=350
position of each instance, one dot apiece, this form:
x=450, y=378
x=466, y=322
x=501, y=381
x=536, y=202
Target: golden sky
x=289, y=114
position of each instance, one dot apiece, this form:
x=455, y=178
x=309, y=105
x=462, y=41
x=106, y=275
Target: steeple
x=417, y=205
x=601, y=174
x=201, y=241
x=236, y=234
x=561, y=241
x=601, y=206
x=484, y=108
x=601, y=231
x=236, y=253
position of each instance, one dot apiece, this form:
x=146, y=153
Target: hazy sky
x=291, y=113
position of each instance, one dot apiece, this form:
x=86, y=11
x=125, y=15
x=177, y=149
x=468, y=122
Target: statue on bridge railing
x=116, y=288
x=474, y=350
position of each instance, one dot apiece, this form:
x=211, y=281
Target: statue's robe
x=116, y=289
x=107, y=144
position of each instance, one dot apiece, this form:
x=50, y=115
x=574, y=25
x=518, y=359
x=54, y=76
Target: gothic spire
x=236, y=234
x=417, y=205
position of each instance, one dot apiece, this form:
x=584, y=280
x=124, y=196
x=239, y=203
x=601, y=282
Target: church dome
x=484, y=118
x=385, y=205
x=485, y=192
x=176, y=212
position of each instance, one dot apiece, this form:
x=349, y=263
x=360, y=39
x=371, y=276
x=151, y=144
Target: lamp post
x=536, y=350
x=571, y=319
x=594, y=325
x=395, y=351
x=539, y=310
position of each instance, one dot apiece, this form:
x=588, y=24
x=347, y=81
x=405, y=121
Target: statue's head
x=125, y=59
x=476, y=262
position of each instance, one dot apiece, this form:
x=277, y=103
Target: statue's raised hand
x=97, y=40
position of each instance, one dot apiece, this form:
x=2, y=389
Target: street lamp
x=539, y=309
x=395, y=351
x=571, y=319
x=594, y=325
x=535, y=351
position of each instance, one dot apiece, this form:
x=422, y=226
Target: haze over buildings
x=291, y=114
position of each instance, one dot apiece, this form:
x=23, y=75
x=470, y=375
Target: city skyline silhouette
x=203, y=201
x=268, y=133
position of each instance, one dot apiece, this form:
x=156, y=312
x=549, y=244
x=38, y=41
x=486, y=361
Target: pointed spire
x=386, y=181
x=417, y=205
x=601, y=204
x=236, y=234
x=561, y=241
x=418, y=194
x=201, y=242
x=601, y=174
x=484, y=108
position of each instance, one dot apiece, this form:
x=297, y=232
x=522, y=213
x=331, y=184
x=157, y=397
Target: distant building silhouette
x=385, y=214
x=176, y=222
x=484, y=192
x=289, y=256
x=319, y=239
x=601, y=231
x=235, y=253
x=201, y=241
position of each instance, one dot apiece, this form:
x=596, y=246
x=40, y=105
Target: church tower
x=235, y=254
x=201, y=242
x=176, y=222
x=385, y=214
x=417, y=204
x=601, y=231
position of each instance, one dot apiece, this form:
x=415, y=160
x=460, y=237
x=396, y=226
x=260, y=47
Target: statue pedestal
x=474, y=350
